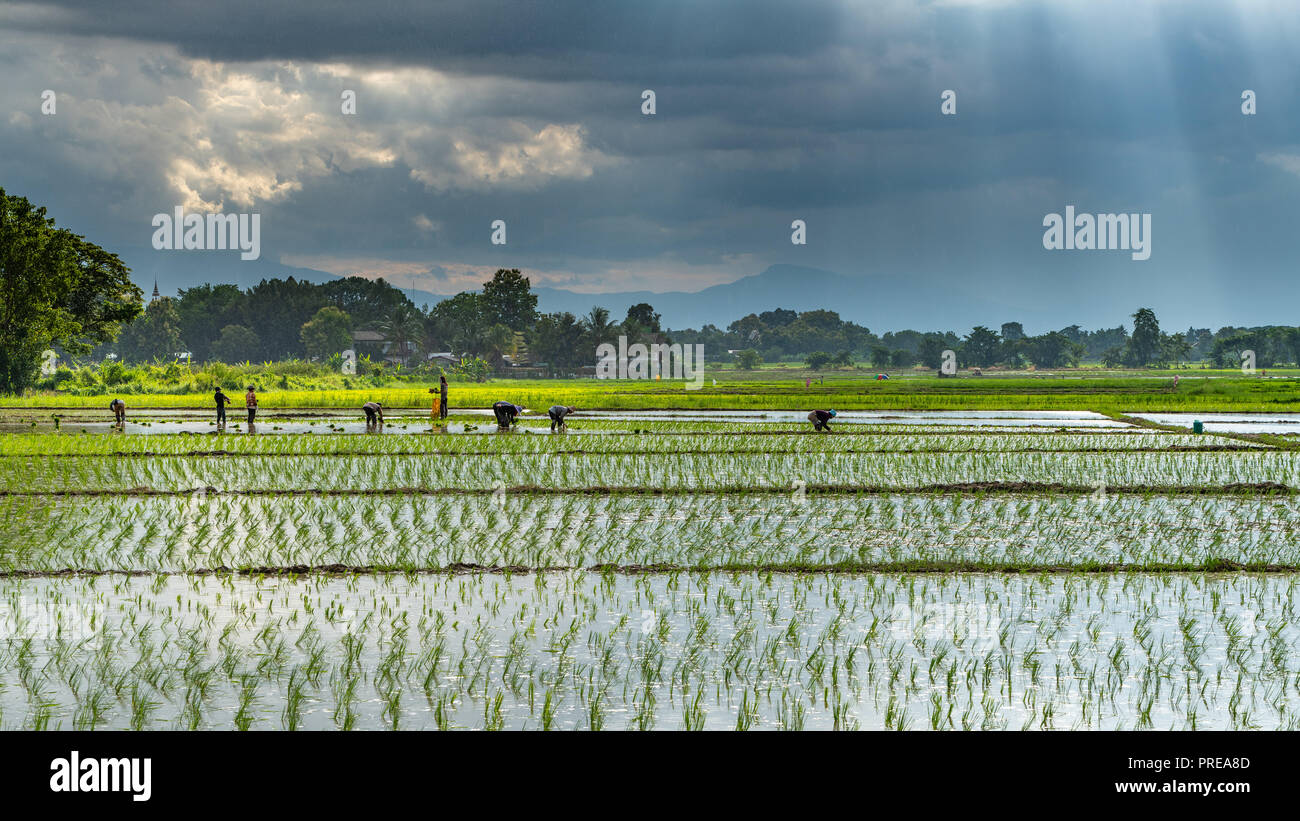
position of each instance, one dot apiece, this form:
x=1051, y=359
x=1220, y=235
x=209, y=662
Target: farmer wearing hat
x=557, y=414
x=250, y=403
x=506, y=413
x=374, y=413
x=118, y=407
x=821, y=419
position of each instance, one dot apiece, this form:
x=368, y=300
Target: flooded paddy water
x=659, y=569
x=1280, y=423
x=270, y=421
x=654, y=651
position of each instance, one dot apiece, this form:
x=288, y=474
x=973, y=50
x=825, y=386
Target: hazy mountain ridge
x=882, y=303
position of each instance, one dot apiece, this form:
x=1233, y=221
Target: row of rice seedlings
x=668, y=471
x=19, y=445
x=179, y=534
x=672, y=651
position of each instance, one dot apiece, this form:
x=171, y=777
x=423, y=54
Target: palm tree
x=497, y=341
x=599, y=326
x=403, y=327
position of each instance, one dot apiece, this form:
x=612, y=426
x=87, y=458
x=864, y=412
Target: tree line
x=288, y=319
x=821, y=339
x=293, y=319
x=59, y=291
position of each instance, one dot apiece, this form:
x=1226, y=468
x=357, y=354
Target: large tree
x=1051, y=350
x=275, y=311
x=556, y=339
x=156, y=334
x=458, y=323
x=1144, y=345
x=236, y=343
x=366, y=301
x=1174, y=348
x=204, y=311
x=644, y=316
x=56, y=290
x=509, y=300
x=931, y=350
x=982, y=347
x=328, y=332
x=1013, y=331
x=779, y=317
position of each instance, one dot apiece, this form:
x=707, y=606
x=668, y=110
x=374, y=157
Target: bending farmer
x=506, y=413
x=821, y=419
x=557, y=414
x=118, y=407
x=374, y=413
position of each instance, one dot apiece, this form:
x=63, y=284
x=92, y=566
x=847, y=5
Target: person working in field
x=374, y=414
x=222, y=400
x=442, y=406
x=118, y=407
x=557, y=414
x=250, y=402
x=821, y=419
x=435, y=413
x=506, y=413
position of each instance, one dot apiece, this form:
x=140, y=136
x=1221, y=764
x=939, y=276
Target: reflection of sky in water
x=156, y=422
x=1231, y=422
x=786, y=637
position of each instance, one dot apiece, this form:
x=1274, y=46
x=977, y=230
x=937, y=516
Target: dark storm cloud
x=571, y=37
x=767, y=112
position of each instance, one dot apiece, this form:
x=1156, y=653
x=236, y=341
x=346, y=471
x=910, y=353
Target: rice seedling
x=669, y=572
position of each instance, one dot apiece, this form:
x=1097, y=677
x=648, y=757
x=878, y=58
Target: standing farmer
x=374, y=414
x=222, y=400
x=821, y=419
x=250, y=402
x=506, y=413
x=118, y=407
x=557, y=414
x=442, y=406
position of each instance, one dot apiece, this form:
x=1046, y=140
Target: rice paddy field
x=1203, y=391
x=1007, y=569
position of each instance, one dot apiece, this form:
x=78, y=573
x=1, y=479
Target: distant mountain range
x=780, y=286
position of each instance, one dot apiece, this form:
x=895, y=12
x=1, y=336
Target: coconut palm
x=496, y=342
x=598, y=326
x=402, y=328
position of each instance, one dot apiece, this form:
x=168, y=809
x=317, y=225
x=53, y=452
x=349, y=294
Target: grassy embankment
x=1059, y=391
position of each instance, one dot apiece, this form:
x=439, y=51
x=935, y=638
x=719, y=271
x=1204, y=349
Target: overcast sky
x=767, y=112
